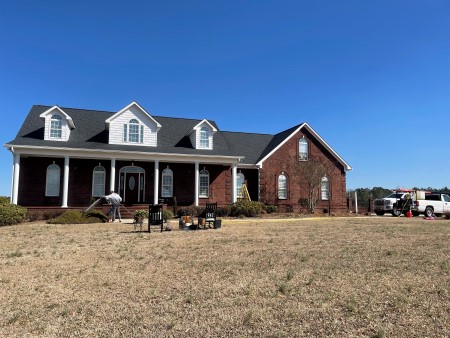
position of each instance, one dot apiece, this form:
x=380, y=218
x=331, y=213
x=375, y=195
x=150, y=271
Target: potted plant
x=140, y=215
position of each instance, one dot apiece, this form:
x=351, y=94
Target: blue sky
x=371, y=77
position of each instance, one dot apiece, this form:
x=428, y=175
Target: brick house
x=63, y=157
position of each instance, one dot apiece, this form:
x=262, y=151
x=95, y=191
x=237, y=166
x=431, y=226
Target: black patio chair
x=210, y=213
x=155, y=216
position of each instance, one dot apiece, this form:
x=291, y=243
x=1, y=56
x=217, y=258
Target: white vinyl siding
x=144, y=133
x=52, y=180
x=204, y=184
x=56, y=128
x=98, y=181
x=202, y=138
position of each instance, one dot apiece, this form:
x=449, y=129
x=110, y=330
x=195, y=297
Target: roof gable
x=131, y=105
x=281, y=138
x=62, y=112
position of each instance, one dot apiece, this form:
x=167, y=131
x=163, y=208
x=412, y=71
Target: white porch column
x=65, y=182
x=15, y=182
x=156, y=183
x=197, y=183
x=233, y=182
x=112, y=179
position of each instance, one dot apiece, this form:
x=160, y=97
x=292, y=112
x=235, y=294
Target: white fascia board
x=134, y=103
x=68, y=118
x=207, y=122
x=122, y=155
x=305, y=125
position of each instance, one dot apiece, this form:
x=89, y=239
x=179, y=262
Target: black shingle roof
x=90, y=133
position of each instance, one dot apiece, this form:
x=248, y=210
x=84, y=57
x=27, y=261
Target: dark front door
x=132, y=185
x=132, y=188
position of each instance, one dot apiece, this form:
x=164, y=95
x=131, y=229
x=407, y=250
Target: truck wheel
x=379, y=213
x=428, y=211
x=396, y=212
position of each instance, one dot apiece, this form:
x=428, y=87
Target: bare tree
x=311, y=173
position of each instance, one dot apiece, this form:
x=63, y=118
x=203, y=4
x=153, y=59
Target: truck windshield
x=395, y=195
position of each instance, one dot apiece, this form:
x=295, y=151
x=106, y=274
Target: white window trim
x=325, y=189
x=57, y=119
x=55, y=170
x=98, y=169
x=204, y=141
x=167, y=173
x=139, y=135
x=280, y=197
x=203, y=173
x=303, y=156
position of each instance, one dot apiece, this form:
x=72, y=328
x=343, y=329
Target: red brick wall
x=282, y=161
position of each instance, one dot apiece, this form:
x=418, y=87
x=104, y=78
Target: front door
x=132, y=181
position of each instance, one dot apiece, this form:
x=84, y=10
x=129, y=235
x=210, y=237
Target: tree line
x=365, y=194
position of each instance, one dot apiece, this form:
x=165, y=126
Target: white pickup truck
x=396, y=203
x=434, y=203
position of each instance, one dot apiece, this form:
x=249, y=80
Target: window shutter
x=142, y=134
x=124, y=133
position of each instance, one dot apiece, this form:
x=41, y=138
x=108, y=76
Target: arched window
x=204, y=137
x=133, y=132
x=167, y=183
x=303, y=151
x=98, y=181
x=204, y=184
x=240, y=179
x=56, y=126
x=52, y=180
x=282, y=187
x=325, y=189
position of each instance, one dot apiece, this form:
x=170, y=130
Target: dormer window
x=56, y=126
x=133, y=132
x=204, y=137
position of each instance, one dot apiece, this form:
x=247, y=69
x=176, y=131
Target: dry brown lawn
x=328, y=277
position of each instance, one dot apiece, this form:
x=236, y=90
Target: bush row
x=242, y=208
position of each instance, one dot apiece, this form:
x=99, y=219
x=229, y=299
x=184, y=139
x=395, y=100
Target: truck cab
x=434, y=203
x=398, y=202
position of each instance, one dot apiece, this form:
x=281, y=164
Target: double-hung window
x=204, y=138
x=133, y=132
x=325, y=189
x=52, y=180
x=282, y=187
x=167, y=183
x=98, y=181
x=204, y=184
x=56, y=127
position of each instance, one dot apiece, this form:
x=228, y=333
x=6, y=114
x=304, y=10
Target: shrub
x=73, y=217
x=167, y=214
x=141, y=213
x=4, y=200
x=97, y=214
x=191, y=210
x=247, y=208
x=224, y=211
x=270, y=208
x=12, y=214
